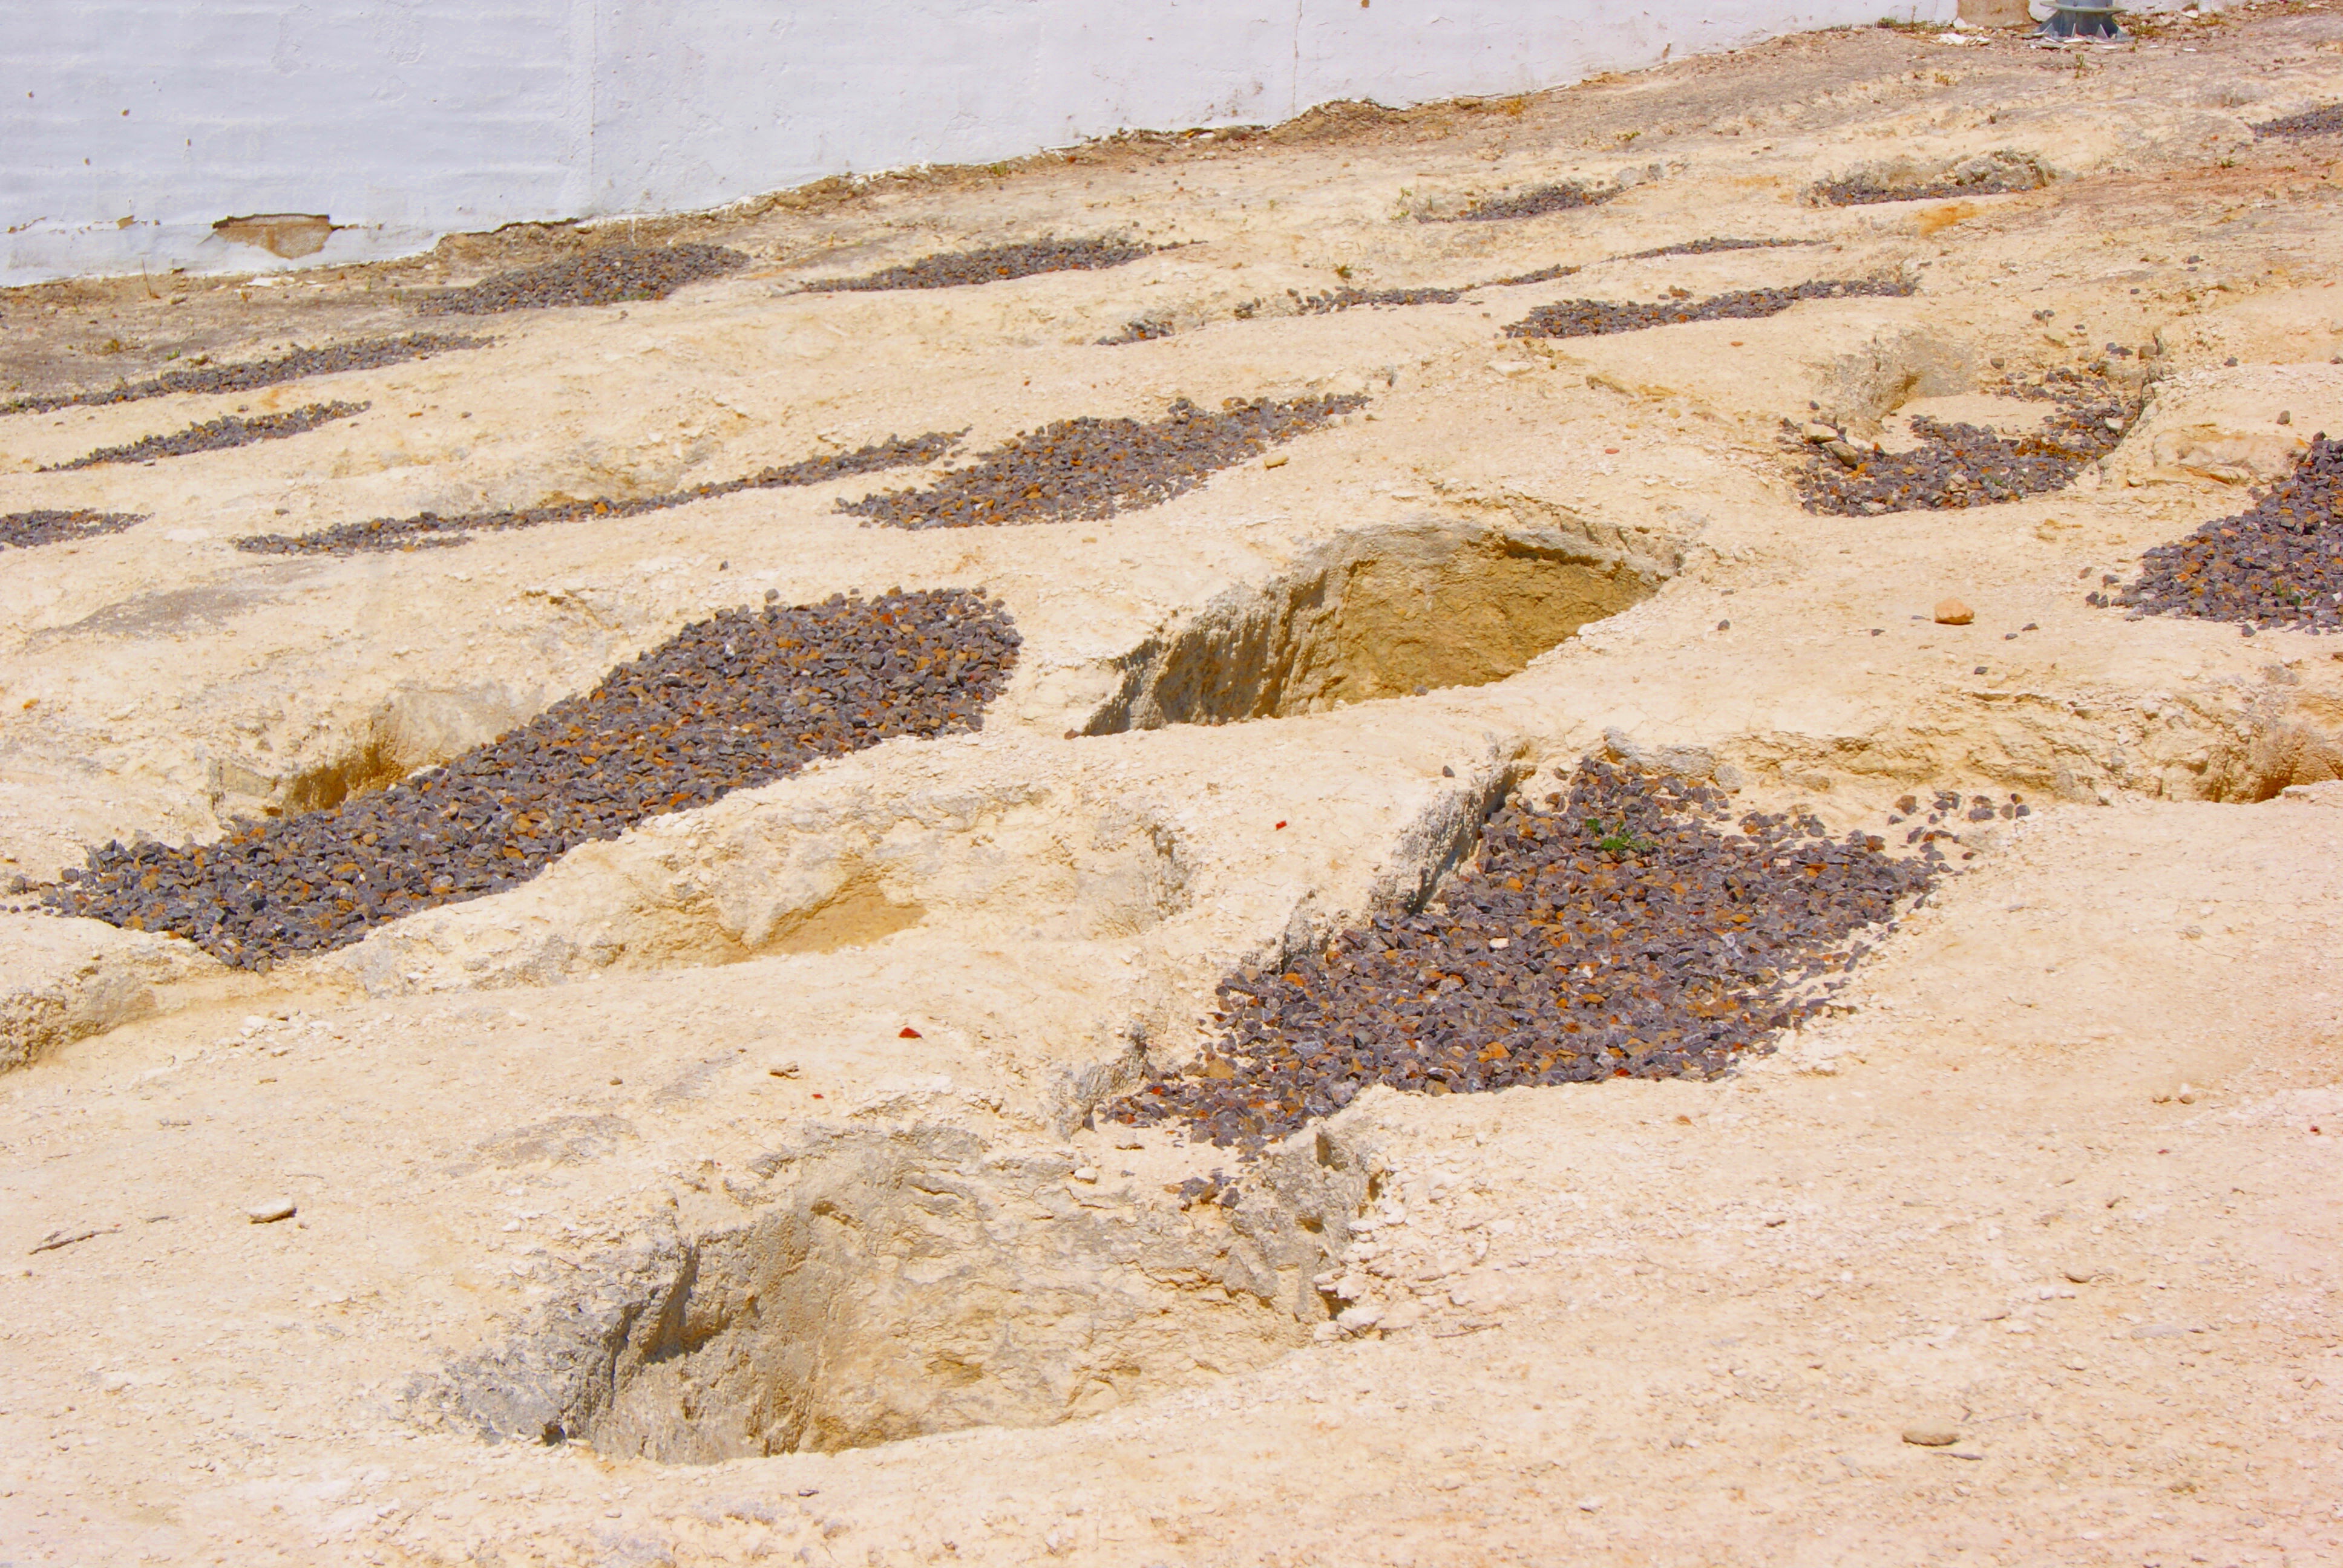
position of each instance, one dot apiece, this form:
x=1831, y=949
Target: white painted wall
x=128, y=126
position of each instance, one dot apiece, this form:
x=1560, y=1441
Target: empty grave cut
x=893, y=1284
x=1625, y=924
x=1378, y=613
x=217, y=435
x=429, y=530
x=738, y=700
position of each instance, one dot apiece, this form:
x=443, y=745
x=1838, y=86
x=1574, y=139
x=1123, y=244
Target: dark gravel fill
x=1352, y=299
x=428, y=531
x=2279, y=563
x=1646, y=939
x=1138, y=332
x=1593, y=318
x=364, y=354
x=953, y=269
x=1961, y=465
x=612, y=276
x=214, y=435
x=1710, y=247
x=1543, y=274
x=1534, y=203
x=747, y=696
x=1860, y=190
x=1080, y=470
x=2320, y=122
x=24, y=529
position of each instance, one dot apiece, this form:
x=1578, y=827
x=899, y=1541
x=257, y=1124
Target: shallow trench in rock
x=1382, y=612
x=888, y=1283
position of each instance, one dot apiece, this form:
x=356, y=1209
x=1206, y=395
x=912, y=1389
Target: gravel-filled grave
x=2279, y=563
x=1624, y=927
x=1992, y=175
x=615, y=275
x=217, y=435
x=1535, y=202
x=429, y=530
x=360, y=354
x=744, y=698
x=2324, y=121
x=997, y=263
x=1961, y=465
x=1597, y=318
x=1080, y=470
x=50, y=526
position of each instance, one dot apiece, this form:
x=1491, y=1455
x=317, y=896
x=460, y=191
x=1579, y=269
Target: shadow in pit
x=1383, y=612
x=893, y=1284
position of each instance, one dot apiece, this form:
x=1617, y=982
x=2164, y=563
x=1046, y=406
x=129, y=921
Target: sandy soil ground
x=629, y=1227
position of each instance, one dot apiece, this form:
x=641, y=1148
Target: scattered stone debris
x=2279, y=563
x=1996, y=174
x=1619, y=930
x=1946, y=805
x=2325, y=121
x=215, y=435
x=48, y=525
x=614, y=275
x=1537, y=202
x=362, y=354
x=1080, y=470
x=430, y=530
x=958, y=268
x=1595, y=317
x=1962, y=465
x=745, y=698
x=1140, y=331
x=1352, y=299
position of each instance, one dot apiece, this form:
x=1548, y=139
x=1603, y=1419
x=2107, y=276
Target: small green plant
x=1618, y=842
